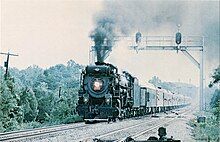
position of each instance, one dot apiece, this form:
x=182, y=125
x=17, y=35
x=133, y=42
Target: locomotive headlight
x=107, y=100
x=86, y=99
x=97, y=85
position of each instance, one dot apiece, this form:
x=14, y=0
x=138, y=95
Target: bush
x=209, y=130
x=31, y=125
x=72, y=119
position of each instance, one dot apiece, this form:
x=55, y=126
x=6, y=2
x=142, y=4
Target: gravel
x=177, y=128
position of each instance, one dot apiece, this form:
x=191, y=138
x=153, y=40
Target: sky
x=50, y=32
x=46, y=32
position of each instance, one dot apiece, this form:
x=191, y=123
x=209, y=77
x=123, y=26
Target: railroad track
x=20, y=135
x=141, y=133
x=115, y=131
x=150, y=125
x=44, y=132
x=138, y=134
x=35, y=133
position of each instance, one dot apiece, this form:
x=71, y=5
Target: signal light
x=178, y=38
x=138, y=37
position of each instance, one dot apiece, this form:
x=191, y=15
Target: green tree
x=45, y=101
x=64, y=107
x=155, y=81
x=215, y=101
x=11, y=115
x=38, y=98
x=216, y=77
x=29, y=104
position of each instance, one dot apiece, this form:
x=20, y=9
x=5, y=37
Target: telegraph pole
x=6, y=63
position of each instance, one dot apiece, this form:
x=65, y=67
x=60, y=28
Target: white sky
x=49, y=32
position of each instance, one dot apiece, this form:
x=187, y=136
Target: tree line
x=36, y=97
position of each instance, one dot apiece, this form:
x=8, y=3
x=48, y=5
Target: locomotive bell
x=138, y=37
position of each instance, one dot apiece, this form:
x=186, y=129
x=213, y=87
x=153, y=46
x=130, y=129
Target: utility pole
x=59, y=92
x=6, y=63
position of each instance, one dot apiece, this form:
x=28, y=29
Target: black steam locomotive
x=105, y=95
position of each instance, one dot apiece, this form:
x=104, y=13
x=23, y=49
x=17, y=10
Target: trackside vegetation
x=36, y=97
x=210, y=129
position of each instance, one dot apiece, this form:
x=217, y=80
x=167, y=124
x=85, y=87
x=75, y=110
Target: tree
x=29, y=105
x=45, y=101
x=155, y=81
x=33, y=93
x=11, y=115
x=64, y=107
x=216, y=77
x=215, y=101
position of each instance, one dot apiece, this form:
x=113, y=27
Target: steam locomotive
x=106, y=95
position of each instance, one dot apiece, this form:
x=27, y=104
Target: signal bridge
x=178, y=43
x=193, y=43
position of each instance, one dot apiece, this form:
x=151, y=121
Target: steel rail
x=138, y=134
x=113, y=131
x=36, y=132
x=117, y=130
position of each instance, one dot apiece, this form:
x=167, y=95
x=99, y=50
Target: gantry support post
x=201, y=97
x=201, y=77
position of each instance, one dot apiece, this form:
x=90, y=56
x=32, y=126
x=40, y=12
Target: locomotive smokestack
x=103, y=36
x=103, y=50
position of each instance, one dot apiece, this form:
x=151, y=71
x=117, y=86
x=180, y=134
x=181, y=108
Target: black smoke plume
x=128, y=16
x=103, y=36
